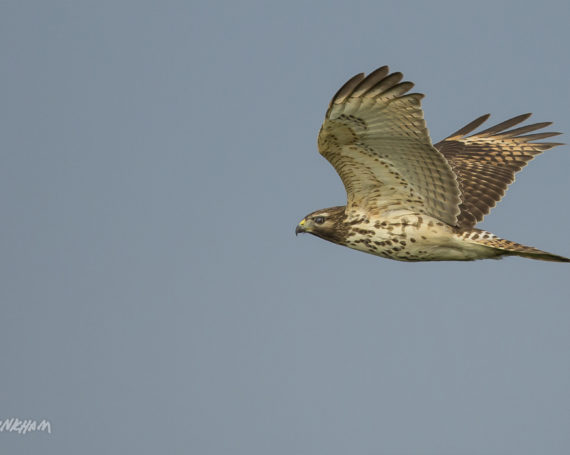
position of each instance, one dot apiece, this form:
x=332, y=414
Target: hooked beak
x=300, y=228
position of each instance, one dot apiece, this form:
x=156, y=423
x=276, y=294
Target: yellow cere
x=302, y=222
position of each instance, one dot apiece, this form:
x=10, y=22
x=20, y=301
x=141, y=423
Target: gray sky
x=156, y=158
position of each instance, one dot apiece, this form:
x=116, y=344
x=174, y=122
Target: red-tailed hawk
x=406, y=198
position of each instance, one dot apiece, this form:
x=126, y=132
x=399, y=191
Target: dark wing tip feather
x=524, y=129
x=347, y=88
x=399, y=89
x=547, y=145
x=370, y=81
x=470, y=127
x=537, y=136
x=504, y=125
x=417, y=97
x=387, y=83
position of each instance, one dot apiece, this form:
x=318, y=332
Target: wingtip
x=470, y=127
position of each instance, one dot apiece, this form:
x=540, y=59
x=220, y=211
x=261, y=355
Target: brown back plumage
x=485, y=163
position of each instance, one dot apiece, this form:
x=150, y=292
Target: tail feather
x=509, y=247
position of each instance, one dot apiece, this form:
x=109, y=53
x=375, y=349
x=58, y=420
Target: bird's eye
x=320, y=219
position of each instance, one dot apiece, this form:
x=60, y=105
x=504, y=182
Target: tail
x=508, y=248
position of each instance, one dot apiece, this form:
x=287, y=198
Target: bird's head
x=325, y=223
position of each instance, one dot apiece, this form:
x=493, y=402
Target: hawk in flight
x=406, y=198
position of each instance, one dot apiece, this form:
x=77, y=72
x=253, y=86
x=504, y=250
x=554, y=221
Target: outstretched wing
x=375, y=137
x=486, y=163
